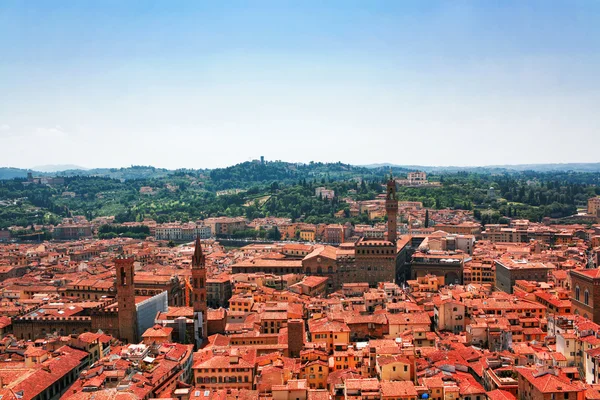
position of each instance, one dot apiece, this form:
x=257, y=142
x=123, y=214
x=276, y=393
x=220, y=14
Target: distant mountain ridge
x=133, y=172
x=57, y=168
x=550, y=167
x=144, y=172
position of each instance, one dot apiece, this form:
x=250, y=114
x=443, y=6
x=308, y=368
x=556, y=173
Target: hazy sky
x=211, y=83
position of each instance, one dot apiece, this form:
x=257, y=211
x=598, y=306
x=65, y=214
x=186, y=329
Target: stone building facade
x=585, y=293
x=508, y=271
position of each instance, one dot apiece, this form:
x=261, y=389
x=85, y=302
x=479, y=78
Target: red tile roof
x=547, y=382
x=397, y=389
x=158, y=331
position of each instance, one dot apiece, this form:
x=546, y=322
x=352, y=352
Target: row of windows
x=59, y=386
x=247, y=342
x=83, y=296
x=346, y=358
x=375, y=251
x=324, y=336
x=198, y=282
x=240, y=303
x=223, y=379
x=339, y=366
x=226, y=370
x=320, y=270
x=586, y=295
x=266, y=323
x=268, y=270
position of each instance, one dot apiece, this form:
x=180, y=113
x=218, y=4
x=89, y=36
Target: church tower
x=127, y=313
x=199, y=293
x=391, y=208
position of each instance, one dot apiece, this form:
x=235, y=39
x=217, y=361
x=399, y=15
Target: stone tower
x=296, y=337
x=127, y=313
x=199, y=293
x=391, y=208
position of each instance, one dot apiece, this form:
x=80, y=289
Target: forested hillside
x=282, y=189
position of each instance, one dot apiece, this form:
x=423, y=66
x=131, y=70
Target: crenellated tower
x=391, y=208
x=199, y=293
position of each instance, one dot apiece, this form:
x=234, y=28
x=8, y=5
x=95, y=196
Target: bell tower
x=199, y=293
x=127, y=313
x=391, y=208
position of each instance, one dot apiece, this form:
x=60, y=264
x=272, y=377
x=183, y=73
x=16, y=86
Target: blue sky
x=206, y=84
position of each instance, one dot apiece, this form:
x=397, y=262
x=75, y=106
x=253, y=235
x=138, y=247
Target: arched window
x=586, y=297
x=577, y=293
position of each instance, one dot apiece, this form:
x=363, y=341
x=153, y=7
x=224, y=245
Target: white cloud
x=51, y=133
x=7, y=132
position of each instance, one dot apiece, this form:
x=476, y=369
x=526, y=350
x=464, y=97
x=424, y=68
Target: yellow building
x=567, y=344
x=424, y=338
x=312, y=355
x=329, y=332
x=376, y=213
x=427, y=283
x=307, y=235
x=449, y=315
x=273, y=321
x=315, y=373
x=222, y=368
x=347, y=359
x=399, y=323
x=157, y=334
x=481, y=271
x=594, y=206
x=393, y=368
x=241, y=303
x=294, y=389
x=89, y=342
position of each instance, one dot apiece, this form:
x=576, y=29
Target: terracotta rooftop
x=547, y=382
x=157, y=331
